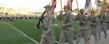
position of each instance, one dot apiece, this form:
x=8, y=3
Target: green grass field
x=9, y=31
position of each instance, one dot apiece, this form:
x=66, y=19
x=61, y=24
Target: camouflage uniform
x=66, y=33
x=103, y=20
x=84, y=30
x=94, y=21
x=99, y=30
x=48, y=33
x=99, y=24
x=107, y=12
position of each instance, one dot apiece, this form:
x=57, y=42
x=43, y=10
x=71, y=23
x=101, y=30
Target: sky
x=37, y=5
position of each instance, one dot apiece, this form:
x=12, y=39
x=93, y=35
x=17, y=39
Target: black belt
x=93, y=25
x=67, y=26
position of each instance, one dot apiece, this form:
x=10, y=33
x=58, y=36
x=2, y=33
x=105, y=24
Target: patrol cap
x=67, y=7
x=81, y=11
x=48, y=6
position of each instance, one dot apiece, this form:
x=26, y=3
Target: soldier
x=66, y=33
x=0, y=17
x=12, y=18
x=104, y=20
x=99, y=29
x=4, y=17
x=103, y=24
x=47, y=24
x=77, y=32
x=107, y=9
x=107, y=12
x=84, y=31
x=99, y=4
x=94, y=21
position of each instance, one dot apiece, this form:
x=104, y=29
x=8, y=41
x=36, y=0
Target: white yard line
x=23, y=33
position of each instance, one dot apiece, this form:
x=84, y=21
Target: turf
x=8, y=35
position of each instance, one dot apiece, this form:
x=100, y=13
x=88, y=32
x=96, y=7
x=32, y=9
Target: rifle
x=40, y=20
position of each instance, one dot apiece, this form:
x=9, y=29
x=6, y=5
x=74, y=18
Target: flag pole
x=104, y=5
x=61, y=12
x=61, y=4
x=77, y=6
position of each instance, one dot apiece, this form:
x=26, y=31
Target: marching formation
x=89, y=24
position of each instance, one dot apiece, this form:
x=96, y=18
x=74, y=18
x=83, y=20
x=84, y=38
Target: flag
x=69, y=4
x=53, y=6
x=104, y=5
x=87, y=6
x=87, y=3
x=98, y=4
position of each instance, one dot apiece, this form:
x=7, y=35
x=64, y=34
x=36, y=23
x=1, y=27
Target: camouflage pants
x=84, y=33
x=66, y=36
x=94, y=31
x=99, y=30
x=47, y=38
x=104, y=29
